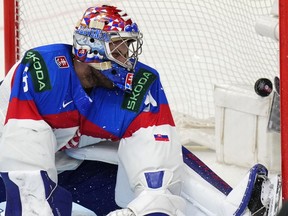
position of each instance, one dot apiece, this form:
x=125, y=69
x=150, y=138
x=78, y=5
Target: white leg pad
x=151, y=200
x=32, y=192
x=233, y=200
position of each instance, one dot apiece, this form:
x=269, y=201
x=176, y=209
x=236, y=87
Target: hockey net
x=194, y=44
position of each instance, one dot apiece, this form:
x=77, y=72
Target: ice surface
x=232, y=174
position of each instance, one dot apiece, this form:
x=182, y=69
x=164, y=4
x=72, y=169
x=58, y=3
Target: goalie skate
x=275, y=196
x=265, y=199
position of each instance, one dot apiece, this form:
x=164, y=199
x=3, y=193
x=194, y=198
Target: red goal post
x=11, y=40
x=283, y=46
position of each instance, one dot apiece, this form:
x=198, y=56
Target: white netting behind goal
x=194, y=44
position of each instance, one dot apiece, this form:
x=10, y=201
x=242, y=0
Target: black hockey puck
x=263, y=87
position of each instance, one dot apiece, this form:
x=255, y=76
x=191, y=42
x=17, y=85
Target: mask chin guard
x=120, y=76
x=101, y=66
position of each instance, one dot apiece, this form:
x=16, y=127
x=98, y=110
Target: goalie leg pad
x=237, y=201
x=34, y=191
x=59, y=199
x=155, y=197
x=13, y=201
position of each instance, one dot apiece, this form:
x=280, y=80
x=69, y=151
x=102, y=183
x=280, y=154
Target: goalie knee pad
x=34, y=191
x=155, y=197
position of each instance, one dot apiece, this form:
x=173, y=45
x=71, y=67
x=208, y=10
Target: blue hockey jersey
x=48, y=110
x=45, y=86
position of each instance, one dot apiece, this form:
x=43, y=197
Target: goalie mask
x=107, y=39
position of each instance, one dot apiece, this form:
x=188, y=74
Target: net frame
x=283, y=46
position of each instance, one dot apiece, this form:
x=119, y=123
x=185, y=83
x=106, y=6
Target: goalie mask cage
x=194, y=44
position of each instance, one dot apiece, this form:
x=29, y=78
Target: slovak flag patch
x=161, y=137
x=61, y=61
x=128, y=81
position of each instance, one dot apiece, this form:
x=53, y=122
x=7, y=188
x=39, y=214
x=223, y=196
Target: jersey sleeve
x=150, y=154
x=151, y=141
x=29, y=80
x=27, y=142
